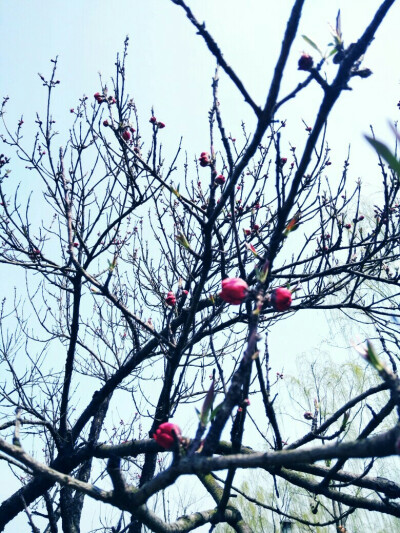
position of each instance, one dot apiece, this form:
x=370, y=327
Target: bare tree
x=124, y=255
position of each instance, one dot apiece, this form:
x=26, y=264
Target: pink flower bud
x=170, y=299
x=220, y=180
x=72, y=110
x=106, y=123
x=166, y=434
x=153, y=120
x=281, y=299
x=347, y=226
x=256, y=227
x=308, y=416
x=283, y=160
x=126, y=135
x=234, y=290
x=185, y=292
x=98, y=97
x=76, y=244
x=247, y=232
x=204, y=159
x=305, y=62
x=160, y=125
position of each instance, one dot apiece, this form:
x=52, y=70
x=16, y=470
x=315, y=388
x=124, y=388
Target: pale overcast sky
x=170, y=67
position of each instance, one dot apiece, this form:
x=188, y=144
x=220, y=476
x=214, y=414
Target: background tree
x=124, y=252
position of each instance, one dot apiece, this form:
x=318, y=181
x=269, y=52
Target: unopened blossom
x=170, y=299
x=126, y=135
x=305, y=62
x=234, y=290
x=281, y=299
x=167, y=434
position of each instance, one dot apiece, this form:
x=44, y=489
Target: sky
x=170, y=68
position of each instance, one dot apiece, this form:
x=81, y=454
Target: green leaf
x=176, y=191
x=215, y=411
x=333, y=51
x=207, y=405
x=386, y=154
x=339, y=25
x=311, y=43
x=182, y=240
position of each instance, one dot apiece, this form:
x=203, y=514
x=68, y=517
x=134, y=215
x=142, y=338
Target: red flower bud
x=106, y=123
x=76, y=244
x=153, y=120
x=160, y=125
x=72, y=110
x=247, y=232
x=283, y=161
x=126, y=135
x=170, y=299
x=166, y=435
x=281, y=299
x=305, y=62
x=347, y=226
x=185, y=292
x=234, y=290
x=256, y=227
x=220, y=180
x=204, y=159
x=98, y=97
x=308, y=416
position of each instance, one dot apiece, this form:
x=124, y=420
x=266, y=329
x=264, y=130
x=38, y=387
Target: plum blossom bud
x=281, y=299
x=204, y=159
x=166, y=435
x=160, y=125
x=234, y=290
x=305, y=62
x=308, y=415
x=98, y=97
x=220, y=180
x=106, y=123
x=153, y=120
x=170, y=299
x=126, y=135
